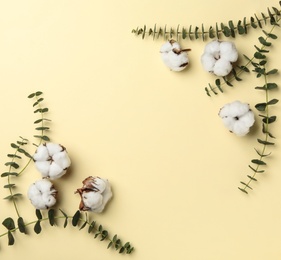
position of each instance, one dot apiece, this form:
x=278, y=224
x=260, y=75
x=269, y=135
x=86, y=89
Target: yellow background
x=153, y=133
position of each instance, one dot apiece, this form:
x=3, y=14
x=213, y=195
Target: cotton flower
x=173, y=56
x=218, y=57
x=237, y=117
x=95, y=194
x=42, y=194
x=51, y=160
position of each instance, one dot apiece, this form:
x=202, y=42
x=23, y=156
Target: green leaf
x=91, y=227
x=5, y=174
x=32, y=95
x=9, y=223
x=38, y=93
x=14, y=196
x=244, y=68
x=259, y=55
x=264, y=42
x=252, y=178
x=104, y=235
x=274, y=71
x=37, y=227
x=11, y=239
x=265, y=142
x=84, y=225
x=76, y=218
x=258, y=162
x=270, y=86
x=110, y=244
x=9, y=186
x=117, y=244
x=21, y=225
x=42, y=128
x=246, y=185
x=38, y=214
x=272, y=101
x=269, y=120
x=261, y=106
x=51, y=216
x=243, y=190
x=12, y=164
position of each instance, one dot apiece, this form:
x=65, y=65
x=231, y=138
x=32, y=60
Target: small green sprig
x=13, y=164
x=76, y=220
x=230, y=29
x=267, y=120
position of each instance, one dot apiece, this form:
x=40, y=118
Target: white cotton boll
x=166, y=47
x=237, y=117
x=223, y=53
x=173, y=56
x=55, y=171
x=42, y=194
x=177, y=62
x=43, y=167
x=222, y=67
x=62, y=159
x=92, y=200
x=213, y=48
x=55, y=164
x=54, y=148
x=41, y=153
x=99, y=184
x=95, y=194
x=228, y=51
x=208, y=61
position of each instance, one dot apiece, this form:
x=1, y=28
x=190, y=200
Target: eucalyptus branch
x=77, y=220
x=267, y=119
x=18, y=146
x=199, y=32
x=12, y=170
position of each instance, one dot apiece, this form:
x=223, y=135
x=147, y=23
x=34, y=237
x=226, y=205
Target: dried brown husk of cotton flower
x=94, y=194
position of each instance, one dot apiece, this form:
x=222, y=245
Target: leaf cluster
x=229, y=29
x=41, y=110
x=76, y=221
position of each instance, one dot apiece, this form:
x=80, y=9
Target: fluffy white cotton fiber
x=237, y=117
x=51, y=160
x=173, y=56
x=218, y=57
x=42, y=194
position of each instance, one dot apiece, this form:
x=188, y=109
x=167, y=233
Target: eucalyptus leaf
x=21, y=225
x=51, y=216
x=9, y=223
x=37, y=227
x=76, y=218
x=11, y=239
x=38, y=214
